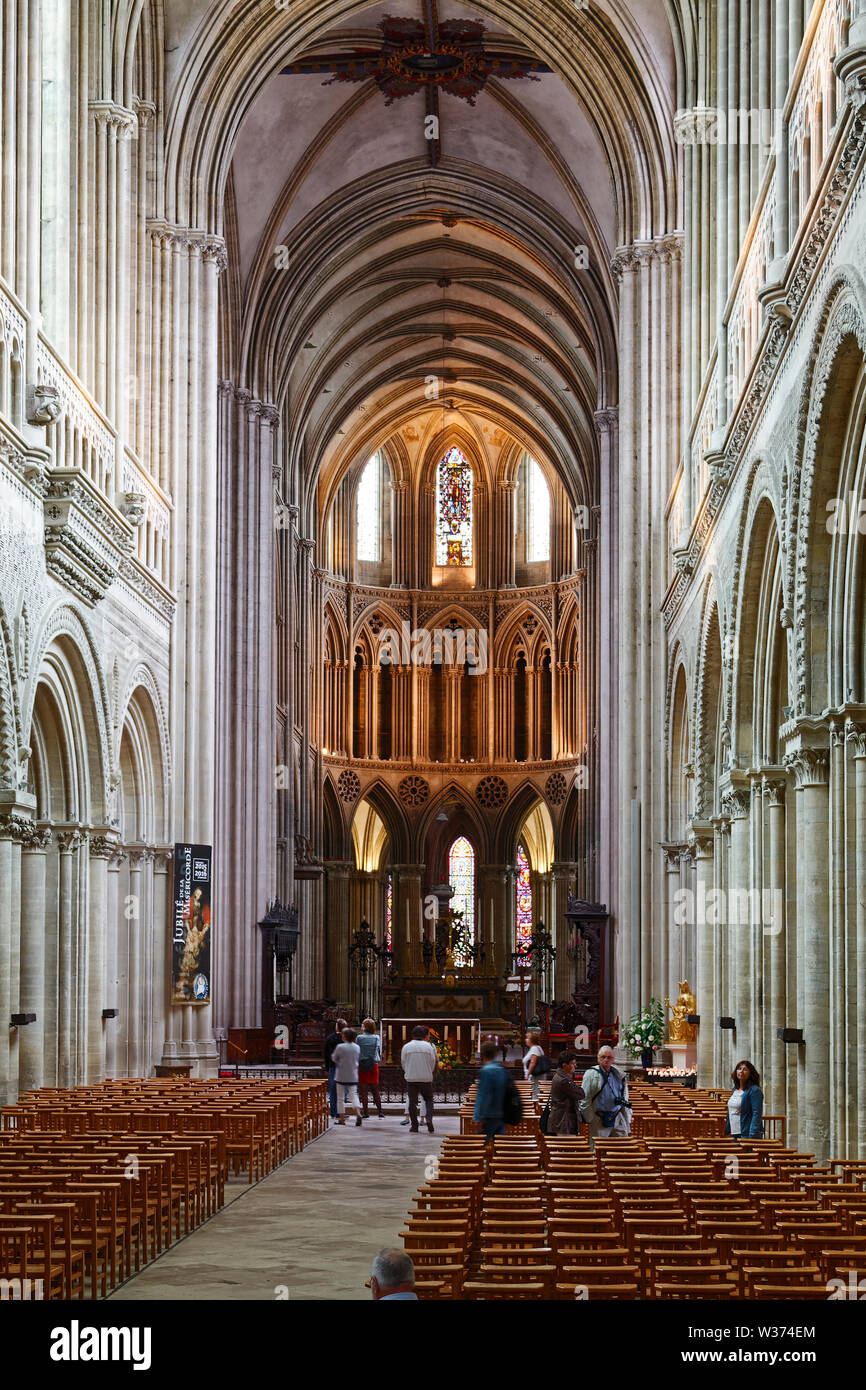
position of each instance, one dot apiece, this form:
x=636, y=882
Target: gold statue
x=680, y=1031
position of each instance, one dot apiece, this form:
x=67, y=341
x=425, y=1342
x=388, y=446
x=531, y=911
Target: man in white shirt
x=419, y=1061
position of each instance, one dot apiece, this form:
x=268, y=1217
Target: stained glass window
x=538, y=518
x=454, y=510
x=461, y=876
x=524, y=899
x=389, y=904
x=368, y=512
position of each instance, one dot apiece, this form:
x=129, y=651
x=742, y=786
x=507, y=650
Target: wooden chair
x=28, y=1253
x=516, y=1290
x=778, y=1292
x=777, y=1274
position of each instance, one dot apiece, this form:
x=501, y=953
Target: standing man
x=606, y=1108
x=489, y=1109
x=419, y=1061
x=332, y=1041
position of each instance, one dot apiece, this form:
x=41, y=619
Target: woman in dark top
x=565, y=1098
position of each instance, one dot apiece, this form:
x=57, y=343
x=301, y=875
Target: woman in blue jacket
x=745, y=1104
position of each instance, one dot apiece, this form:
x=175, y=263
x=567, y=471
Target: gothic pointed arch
x=680, y=744
x=831, y=423
x=761, y=660
x=462, y=816
x=336, y=835
x=709, y=710
x=9, y=714
x=66, y=657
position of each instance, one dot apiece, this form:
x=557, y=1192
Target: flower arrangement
x=448, y=1058
x=645, y=1030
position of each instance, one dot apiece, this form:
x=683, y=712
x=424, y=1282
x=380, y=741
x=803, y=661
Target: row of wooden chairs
x=97, y=1181
x=662, y=1217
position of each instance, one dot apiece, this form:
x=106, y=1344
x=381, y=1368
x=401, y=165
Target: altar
x=462, y=1035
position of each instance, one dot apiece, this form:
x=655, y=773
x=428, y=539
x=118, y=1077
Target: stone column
x=135, y=953
x=676, y=920
x=736, y=800
x=31, y=992
x=810, y=767
x=453, y=677
x=775, y=928
x=724, y=976
x=842, y=1117
x=69, y=842
x=336, y=926
x=402, y=547
x=101, y=848
x=702, y=845
x=115, y=1027
x=563, y=875
x=407, y=919
x=161, y=936
x=857, y=739
x=505, y=534
x=15, y=831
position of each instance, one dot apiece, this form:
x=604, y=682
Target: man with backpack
x=606, y=1108
x=497, y=1101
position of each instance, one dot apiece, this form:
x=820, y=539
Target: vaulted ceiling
x=487, y=270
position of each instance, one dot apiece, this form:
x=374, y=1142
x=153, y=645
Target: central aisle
x=313, y=1226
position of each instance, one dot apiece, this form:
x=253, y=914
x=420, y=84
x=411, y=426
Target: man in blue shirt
x=490, y=1098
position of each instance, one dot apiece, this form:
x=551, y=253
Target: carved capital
x=810, y=766
x=144, y=112
x=68, y=841
x=673, y=853
x=701, y=841
x=213, y=252
x=101, y=846
x=668, y=248
x=605, y=421
x=773, y=790
x=736, y=803
x=855, y=735
x=16, y=828
x=116, y=118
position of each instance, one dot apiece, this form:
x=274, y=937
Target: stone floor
x=308, y=1231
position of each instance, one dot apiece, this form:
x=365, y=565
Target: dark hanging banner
x=191, y=923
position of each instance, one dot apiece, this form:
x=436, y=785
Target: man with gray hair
x=606, y=1108
x=393, y=1277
